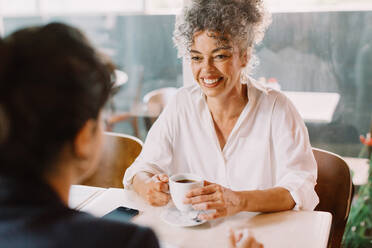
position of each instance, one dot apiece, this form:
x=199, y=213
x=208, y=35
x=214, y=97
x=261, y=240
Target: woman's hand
x=242, y=239
x=224, y=201
x=154, y=189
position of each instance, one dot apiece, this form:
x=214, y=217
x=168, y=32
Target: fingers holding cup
x=180, y=185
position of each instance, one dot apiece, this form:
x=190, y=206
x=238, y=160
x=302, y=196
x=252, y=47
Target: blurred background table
x=317, y=107
x=359, y=167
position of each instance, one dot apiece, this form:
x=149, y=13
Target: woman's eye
x=196, y=58
x=221, y=56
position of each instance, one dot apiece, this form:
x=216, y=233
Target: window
x=315, y=51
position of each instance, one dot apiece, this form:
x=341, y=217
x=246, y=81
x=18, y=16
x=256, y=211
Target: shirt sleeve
x=296, y=168
x=156, y=154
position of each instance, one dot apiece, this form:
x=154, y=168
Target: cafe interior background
x=317, y=52
x=312, y=46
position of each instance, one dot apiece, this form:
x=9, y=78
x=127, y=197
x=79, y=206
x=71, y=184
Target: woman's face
x=216, y=66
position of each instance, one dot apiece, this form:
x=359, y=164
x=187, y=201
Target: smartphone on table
x=122, y=214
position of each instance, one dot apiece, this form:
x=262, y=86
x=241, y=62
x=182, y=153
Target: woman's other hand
x=212, y=196
x=153, y=188
x=243, y=239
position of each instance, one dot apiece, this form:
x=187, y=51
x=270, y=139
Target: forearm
x=152, y=188
x=270, y=200
x=139, y=181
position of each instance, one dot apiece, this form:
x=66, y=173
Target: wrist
x=242, y=200
x=139, y=183
x=248, y=200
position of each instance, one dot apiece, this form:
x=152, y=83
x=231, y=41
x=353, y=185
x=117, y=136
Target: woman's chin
x=211, y=92
x=212, y=89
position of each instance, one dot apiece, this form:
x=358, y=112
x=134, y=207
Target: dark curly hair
x=52, y=81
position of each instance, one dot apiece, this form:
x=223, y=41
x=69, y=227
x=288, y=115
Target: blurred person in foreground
x=53, y=85
x=248, y=142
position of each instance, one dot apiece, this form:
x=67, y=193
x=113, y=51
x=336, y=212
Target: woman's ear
x=84, y=143
x=245, y=56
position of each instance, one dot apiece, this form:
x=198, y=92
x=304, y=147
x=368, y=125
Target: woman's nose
x=207, y=65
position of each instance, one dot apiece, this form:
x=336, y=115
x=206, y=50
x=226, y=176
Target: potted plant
x=358, y=231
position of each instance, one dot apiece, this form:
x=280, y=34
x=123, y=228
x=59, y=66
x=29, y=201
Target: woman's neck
x=61, y=180
x=230, y=106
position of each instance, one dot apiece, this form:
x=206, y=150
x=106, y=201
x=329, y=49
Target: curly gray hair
x=244, y=22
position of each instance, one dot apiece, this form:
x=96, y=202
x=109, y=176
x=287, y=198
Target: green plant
x=358, y=231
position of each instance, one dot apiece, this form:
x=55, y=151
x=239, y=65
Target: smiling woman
x=248, y=142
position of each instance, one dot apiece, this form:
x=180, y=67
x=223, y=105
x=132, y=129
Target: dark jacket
x=33, y=216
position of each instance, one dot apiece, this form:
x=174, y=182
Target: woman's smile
x=211, y=82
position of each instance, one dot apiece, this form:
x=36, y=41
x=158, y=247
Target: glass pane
x=141, y=46
x=18, y=7
x=317, y=54
x=148, y=56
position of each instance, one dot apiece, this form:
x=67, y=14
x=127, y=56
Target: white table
x=288, y=229
x=316, y=107
x=81, y=195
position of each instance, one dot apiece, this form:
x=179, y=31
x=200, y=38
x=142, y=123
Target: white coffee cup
x=180, y=185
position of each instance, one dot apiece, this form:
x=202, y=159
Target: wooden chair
x=119, y=153
x=155, y=101
x=335, y=190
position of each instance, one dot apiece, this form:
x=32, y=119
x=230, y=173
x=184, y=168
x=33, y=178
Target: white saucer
x=174, y=217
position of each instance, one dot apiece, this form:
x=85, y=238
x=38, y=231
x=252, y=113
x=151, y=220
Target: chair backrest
x=157, y=99
x=119, y=152
x=335, y=190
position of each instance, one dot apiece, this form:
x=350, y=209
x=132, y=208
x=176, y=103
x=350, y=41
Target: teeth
x=210, y=81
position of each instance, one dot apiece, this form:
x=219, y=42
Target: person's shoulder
x=266, y=95
x=107, y=233
x=189, y=91
x=278, y=97
x=186, y=96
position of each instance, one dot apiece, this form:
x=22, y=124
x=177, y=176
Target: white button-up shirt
x=268, y=146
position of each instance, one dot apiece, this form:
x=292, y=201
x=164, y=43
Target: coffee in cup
x=180, y=185
x=185, y=181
